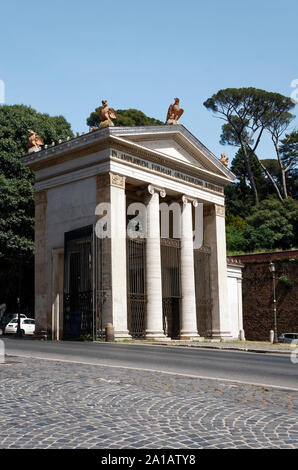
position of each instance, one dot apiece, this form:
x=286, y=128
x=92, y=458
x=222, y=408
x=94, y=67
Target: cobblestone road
x=48, y=404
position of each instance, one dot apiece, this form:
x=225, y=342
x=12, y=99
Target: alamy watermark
x=294, y=353
x=138, y=227
x=2, y=92
x=2, y=351
x=294, y=94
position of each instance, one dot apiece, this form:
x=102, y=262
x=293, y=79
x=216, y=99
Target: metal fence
x=136, y=293
x=78, y=291
x=171, y=285
x=203, y=290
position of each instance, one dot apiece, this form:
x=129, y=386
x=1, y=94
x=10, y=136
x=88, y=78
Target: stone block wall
x=257, y=284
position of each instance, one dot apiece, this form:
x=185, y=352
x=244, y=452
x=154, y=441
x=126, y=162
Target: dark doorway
x=136, y=298
x=203, y=290
x=78, y=283
x=171, y=286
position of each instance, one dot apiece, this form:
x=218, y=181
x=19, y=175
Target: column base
x=158, y=335
x=222, y=335
x=190, y=336
x=120, y=335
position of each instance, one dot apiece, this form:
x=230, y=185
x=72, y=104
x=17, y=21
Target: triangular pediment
x=172, y=146
x=177, y=143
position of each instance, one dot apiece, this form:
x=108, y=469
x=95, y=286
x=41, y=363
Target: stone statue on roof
x=34, y=141
x=223, y=159
x=106, y=115
x=174, y=112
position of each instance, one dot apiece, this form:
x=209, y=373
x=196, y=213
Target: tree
x=247, y=113
x=239, y=195
x=277, y=128
x=271, y=225
x=289, y=158
x=17, y=190
x=126, y=117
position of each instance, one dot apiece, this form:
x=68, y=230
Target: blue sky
x=65, y=56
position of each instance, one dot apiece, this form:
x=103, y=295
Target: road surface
x=243, y=367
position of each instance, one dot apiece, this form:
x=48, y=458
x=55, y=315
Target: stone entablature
x=96, y=139
x=155, y=165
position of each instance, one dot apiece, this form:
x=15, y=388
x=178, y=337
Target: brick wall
x=257, y=285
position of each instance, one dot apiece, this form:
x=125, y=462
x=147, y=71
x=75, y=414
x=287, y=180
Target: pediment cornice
x=128, y=137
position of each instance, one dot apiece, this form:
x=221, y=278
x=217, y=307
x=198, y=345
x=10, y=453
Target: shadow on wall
x=258, y=317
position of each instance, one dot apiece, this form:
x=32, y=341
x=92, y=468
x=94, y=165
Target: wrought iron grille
x=203, y=290
x=136, y=294
x=171, y=285
x=78, y=291
x=100, y=294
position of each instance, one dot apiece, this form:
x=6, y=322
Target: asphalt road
x=253, y=368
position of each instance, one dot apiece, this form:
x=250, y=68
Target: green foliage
x=234, y=238
x=289, y=153
x=17, y=217
x=239, y=195
x=285, y=281
x=271, y=225
x=17, y=191
x=126, y=117
x=247, y=113
x=235, y=221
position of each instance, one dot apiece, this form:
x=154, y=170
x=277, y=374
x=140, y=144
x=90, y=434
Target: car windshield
x=29, y=322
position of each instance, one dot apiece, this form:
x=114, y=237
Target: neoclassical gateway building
x=107, y=253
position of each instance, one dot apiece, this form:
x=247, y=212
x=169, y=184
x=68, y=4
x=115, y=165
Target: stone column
x=239, y=298
x=42, y=313
x=215, y=237
x=154, y=318
x=111, y=190
x=189, y=328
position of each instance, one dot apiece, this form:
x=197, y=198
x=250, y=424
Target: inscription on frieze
x=166, y=171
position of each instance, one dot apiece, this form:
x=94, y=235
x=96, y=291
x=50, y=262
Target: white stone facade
x=145, y=164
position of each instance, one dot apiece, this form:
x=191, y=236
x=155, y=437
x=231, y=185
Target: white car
x=27, y=326
x=287, y=337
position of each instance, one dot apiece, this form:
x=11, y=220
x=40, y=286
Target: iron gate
x=83, y=284
x=100, y=288
x=203, y=290
x=171, y=287
x=136, y=295
x=78, y=291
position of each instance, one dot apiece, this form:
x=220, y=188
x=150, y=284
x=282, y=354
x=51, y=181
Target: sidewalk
x=250, y=346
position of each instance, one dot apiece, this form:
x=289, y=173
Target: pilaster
x=111, y=190
x=215, y=237
x=42, y=314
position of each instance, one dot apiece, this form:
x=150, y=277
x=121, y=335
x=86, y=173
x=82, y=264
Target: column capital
x=156, y=189
x=220, y=210
x=185, y=199
x=110, y=179
x=214, y=209
x=40, y=197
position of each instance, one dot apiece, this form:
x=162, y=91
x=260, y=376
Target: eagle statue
x=106, y=115
x=34, y=141
x=174, y=112
x=224, y=160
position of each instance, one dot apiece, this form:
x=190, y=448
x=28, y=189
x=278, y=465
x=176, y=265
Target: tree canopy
x=248, y=113
x=126, y=117
x=17, y=190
